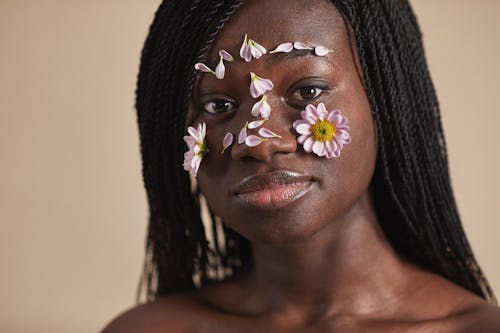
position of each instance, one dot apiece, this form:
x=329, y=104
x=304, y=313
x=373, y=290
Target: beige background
x=72, y=208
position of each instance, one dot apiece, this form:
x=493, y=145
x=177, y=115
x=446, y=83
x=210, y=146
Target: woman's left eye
x=307, y=93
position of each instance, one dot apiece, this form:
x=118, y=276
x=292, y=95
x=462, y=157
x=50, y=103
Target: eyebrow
x=273, y=58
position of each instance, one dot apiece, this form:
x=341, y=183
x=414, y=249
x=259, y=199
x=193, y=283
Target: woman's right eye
x=218, y=106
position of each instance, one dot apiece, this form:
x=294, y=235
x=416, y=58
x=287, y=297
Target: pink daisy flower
x=197, y=148
x=322, y=132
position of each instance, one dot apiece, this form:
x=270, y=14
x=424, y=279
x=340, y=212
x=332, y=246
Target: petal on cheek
x=253, y=141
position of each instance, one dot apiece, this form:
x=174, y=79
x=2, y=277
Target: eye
x=307, y=93
x=218, y=106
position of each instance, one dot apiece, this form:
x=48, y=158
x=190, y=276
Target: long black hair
x=411, y=185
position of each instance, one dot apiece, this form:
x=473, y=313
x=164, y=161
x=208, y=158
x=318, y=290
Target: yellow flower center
x=202, y=149
x=323, y=131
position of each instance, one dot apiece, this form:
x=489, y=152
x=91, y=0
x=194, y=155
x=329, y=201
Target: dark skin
x=321, y=262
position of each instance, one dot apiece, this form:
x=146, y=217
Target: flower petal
x=220, y=70
x=284, y=48
x=259, y=86
x=301, y=46
x=243, y=134
x=190, y=141
x=202, y=67
x=318, y=148
x=261, y=108
x=256, y=123
x=267, y=133
x=253, y=140
x=227, y=141
x=321, y=111
x=226, y=55
x=303, y=129
x=321, y=51
x=301, y=139
x=256, y=49
x=245, y=50
x=308, y=144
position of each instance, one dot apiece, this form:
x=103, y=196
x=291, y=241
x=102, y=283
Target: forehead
x=271, y=22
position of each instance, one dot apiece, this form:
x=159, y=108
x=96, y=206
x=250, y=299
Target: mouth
x=272, y=190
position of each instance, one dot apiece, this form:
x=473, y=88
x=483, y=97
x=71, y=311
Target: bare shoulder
x=479, y=317
x=172, y=313
x=461, y=310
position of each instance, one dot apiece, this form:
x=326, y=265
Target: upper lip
x=265, y=180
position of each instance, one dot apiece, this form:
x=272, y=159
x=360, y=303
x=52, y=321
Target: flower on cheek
x=259, y=86
x=261, y=108
x=322, y=132
x=250, y=49
x=197, y=148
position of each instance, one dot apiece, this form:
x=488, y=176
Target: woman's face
x=276, y=192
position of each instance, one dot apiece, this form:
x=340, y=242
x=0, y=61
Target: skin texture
x=321, y=263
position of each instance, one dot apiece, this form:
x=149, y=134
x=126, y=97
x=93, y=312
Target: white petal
x=319, y=148
x=189, y=140
x=226, y=55
x=253, y=140
x=321, y=111
x=243, y=134
x=256, y=123
x=267, y=133
x=220, y=70
x=227, y=141
x=257, y=49
x=321, y=51
x=308, y=144
x=285, y=48
x=245, y=50
x=301, y=46
x=202, y=67
x=303, y=129
x=301, y=139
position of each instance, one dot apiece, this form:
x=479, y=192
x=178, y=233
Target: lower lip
x=276, y=196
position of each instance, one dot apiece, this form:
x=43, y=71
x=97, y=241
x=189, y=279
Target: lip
x=272, y=190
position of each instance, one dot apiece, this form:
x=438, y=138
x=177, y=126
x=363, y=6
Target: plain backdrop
x=72, y=206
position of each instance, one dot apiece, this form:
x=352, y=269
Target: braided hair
x=411, y=185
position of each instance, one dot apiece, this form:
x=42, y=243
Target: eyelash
x=295, y=99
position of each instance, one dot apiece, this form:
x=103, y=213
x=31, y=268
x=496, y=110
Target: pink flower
x=196, y=148
x=250, y=49
x=322, y=132
x=261, y=108
x=259, y=86
x=284, y=48
x=227, y=141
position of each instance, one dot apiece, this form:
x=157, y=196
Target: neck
x=348, y=266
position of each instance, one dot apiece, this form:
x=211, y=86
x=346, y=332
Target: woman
x=314, y=135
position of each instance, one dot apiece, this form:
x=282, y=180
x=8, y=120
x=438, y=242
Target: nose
x=286, y=143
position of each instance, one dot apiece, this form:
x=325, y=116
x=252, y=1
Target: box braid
x=411, y=185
